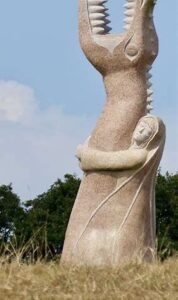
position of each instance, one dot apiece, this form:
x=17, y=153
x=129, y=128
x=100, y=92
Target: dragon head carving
x=136, y=47
x=108, y=52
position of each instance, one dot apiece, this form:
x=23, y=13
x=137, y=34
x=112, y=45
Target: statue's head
x=149, y=130
x=136, y=46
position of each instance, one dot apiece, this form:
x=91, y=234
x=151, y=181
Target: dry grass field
x=48, y=281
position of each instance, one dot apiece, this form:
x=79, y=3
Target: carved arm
x=92, y=159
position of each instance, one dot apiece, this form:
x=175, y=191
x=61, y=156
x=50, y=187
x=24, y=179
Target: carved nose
x=141, y=130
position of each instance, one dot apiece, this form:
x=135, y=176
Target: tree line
x=37, y=227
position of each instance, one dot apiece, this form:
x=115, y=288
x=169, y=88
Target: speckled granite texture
x=113, y=219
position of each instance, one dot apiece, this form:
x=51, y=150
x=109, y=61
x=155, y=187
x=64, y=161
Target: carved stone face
x=142, y=133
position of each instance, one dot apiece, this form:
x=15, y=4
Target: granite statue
x=113, y=218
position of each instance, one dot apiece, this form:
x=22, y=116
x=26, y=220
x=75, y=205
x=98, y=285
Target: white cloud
x=17, y=101
x=38, y=146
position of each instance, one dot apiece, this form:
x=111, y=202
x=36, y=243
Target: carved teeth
x=108, y=28
x=96, y=23
x=96, y=9
x=107, y=21
x=128, y=20
x=148, y=76
x=106, y=14
x=149, y=108
x=149, y=84
x=129, y=13
x=149, y=100
x=96, y=2
x=127, y=26
x=98, y=30
x=129, y=5
x=149, y=91
x=148, y=68
x=98, y=16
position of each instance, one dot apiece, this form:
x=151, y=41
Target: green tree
x=167, y=213
x=11, y=213
x=41, y=223
x=48, y=214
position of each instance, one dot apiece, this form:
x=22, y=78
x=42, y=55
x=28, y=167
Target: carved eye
x=132, y=51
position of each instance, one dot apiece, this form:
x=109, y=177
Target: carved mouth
x=99, y=24
x=99, y=16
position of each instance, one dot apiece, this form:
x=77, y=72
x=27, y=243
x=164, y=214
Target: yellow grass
x=50, y=281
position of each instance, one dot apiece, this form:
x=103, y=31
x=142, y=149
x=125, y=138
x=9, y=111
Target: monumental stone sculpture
x=113, y=218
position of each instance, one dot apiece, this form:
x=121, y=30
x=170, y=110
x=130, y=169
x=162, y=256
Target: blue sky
x=50, y=96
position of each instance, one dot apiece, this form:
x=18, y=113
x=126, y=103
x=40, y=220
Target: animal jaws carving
x=139, y=34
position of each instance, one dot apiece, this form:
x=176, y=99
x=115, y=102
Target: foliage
x=48, y=214
x=11, y=213
x=40, y=224
x=167, y=213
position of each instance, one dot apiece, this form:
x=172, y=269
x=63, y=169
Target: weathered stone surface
x=113, y=218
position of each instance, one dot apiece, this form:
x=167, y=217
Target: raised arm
x=91, y=159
